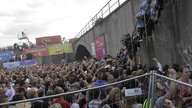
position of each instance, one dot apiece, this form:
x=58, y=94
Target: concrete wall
x=171, y=40
x=173, y=34
x=118, y=23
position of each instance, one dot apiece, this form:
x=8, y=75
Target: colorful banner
x=40, y=51
x=100, y=47
x=56, y=49
x=68, y=48
x=48, y=40
x=60, y=49
x=11, y=64
x=5, y=56
x=25, y=63
x=28, y=63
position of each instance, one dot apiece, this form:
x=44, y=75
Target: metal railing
x=104, y=12
x=154, y=77
x=151, y=91
x=73, y=92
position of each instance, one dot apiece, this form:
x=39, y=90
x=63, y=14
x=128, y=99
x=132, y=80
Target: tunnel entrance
x=81, y=52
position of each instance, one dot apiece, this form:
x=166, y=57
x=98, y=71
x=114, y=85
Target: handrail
x=152, y=79
x=176, y=81
x=67, y=93
x=93, y=20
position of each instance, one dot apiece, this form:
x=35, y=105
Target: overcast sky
x=45, y=18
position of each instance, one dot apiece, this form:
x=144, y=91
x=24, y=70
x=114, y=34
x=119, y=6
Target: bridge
x=170, y=41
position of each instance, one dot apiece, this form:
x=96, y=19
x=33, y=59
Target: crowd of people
x=49, y=79
x=32, y=82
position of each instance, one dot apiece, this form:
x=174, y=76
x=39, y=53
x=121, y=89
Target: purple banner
x=20, y=64
x=28, y=63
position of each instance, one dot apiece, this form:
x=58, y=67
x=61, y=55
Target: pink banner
x=100, y=47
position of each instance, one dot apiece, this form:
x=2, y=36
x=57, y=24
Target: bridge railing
x=104, y=12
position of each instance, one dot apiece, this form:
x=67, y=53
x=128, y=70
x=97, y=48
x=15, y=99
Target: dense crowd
x=31, y=82
x=49, y=79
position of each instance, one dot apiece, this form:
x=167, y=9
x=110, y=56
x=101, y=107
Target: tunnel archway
x=81, y=52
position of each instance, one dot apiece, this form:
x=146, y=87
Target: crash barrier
x=180, y=92
x=131, y=91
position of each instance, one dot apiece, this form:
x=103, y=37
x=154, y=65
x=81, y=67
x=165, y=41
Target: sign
x=48, y=40
x=40, y=51
x=56, y=49
x=28, y=63
x=16, y=64
x=133, y=92
x=68, y=48
x=11, y=64
x=5, y=56
x=60, y=49
x=100, y=47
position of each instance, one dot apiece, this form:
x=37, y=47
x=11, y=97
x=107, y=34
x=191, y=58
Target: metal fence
x=127, y=83
x=104, y=12
x=179, y=93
